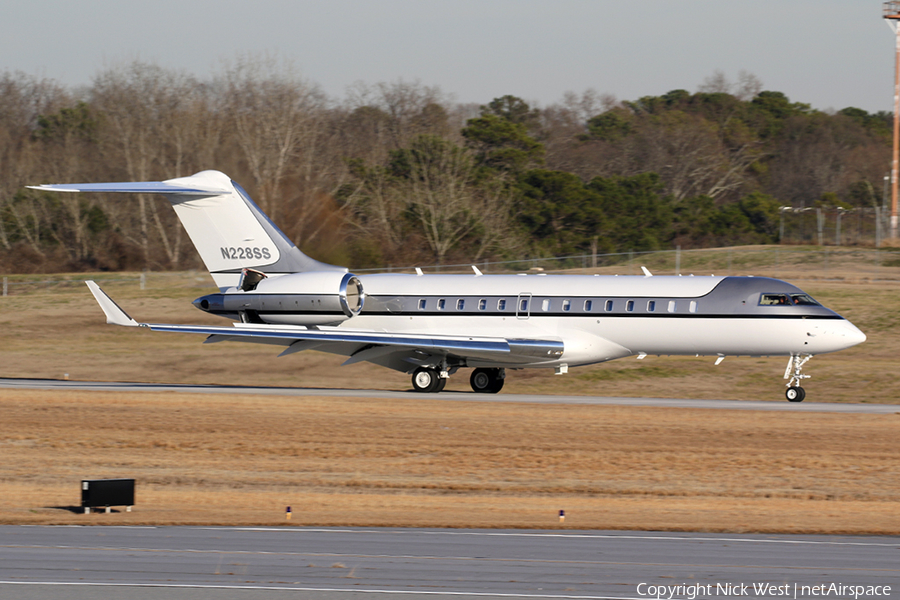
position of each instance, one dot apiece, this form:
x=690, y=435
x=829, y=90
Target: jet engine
x=314, y=298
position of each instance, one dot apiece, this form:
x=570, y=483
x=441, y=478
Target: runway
x=149, y=563
x=102, y=386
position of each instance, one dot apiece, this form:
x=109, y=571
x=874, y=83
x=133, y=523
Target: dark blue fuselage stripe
x=604, y=315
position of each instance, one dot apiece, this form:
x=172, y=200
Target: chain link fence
x=801, y=262
x=147, y=280
x=784, y=262
x=834, y=226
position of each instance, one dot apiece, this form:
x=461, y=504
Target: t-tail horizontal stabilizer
x=114, y=314
x=228, y=229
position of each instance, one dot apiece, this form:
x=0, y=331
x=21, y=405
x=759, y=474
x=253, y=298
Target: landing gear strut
x=487, y=381
x=794, y=372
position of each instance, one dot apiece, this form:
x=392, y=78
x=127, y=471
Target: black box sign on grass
x=106, y=493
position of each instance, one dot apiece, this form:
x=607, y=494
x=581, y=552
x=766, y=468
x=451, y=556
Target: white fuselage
x=597, y=318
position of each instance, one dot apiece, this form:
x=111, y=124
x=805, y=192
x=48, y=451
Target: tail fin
x=229, y=231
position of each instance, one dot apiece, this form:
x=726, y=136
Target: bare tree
x=748, y=86
x=375, y=207
x=276, y=117
x=142, y=104
x=494, y=204
x=690, y=156
x=67, y=141
x=717, y=83
x=564, y=129
x=413, y=109
x=745, y=88
x=828, y=158
x=433, y=189
x=451, y=201
x=23, y=99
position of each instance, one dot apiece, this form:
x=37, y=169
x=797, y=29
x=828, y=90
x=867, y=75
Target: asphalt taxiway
x=149, y=563
x=111, y=386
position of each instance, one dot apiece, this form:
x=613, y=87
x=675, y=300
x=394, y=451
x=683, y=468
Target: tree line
x=399, y=173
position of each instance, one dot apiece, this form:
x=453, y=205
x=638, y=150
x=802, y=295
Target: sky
x=827, y=53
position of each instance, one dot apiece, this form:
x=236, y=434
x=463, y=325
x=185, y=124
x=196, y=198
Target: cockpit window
x=786, y=300
x=774, y=299
x=803, y=299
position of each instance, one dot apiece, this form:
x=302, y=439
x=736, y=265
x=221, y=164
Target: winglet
x=646, y=271
x=114, y=314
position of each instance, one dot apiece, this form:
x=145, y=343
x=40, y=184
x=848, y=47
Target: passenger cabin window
x=609, y=305
x=588, y=305
x=693, y=307
x=629, y=306
x=501, y=304
x=566, y=305
x=422, y=304
x=460, y=304
x=672, y=306
x=651, y=306
x=523, y=305
x=545, y=305
x=482, y=304
x=442, y=304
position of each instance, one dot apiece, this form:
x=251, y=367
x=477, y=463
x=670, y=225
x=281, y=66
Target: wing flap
x=287, y=335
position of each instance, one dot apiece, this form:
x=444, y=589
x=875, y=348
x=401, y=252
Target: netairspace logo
x=795, y=591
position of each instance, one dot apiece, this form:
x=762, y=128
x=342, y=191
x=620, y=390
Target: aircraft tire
x=486, y=381
x=795, y=394
x=426, y=380
x=441, y=382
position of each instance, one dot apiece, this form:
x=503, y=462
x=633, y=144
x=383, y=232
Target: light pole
x=782, y=210
x=891, y=14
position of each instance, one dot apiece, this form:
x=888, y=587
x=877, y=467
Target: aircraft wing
x=395, y=350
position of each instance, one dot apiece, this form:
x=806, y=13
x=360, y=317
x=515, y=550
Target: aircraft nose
x=850, y=334
x=855, y=336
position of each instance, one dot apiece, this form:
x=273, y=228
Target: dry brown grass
x=343, y=461
x=221, y=459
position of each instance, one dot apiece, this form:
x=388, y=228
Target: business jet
x=430, y=326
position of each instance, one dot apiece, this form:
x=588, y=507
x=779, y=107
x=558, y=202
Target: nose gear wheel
x=794, y=373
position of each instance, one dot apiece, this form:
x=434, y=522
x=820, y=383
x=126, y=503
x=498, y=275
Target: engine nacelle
x=315, y=298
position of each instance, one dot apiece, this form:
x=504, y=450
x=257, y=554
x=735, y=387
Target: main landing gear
x=484, y=381
x=425, y=379
x=794, y=372
x=487, y=381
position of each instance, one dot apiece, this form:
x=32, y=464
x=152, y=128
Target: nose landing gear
x=794, y=372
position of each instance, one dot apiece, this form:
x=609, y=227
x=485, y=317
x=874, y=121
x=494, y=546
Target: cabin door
x=523, y=305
